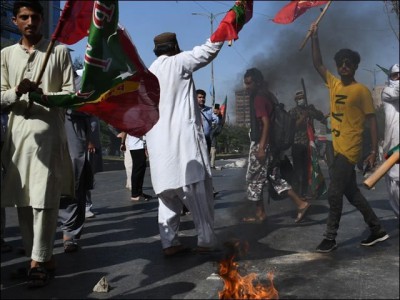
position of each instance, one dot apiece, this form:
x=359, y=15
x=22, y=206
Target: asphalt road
x=122, y=244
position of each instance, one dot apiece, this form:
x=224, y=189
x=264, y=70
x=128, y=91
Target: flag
x=222, y=110
x=293, y=10
x=74, y=22
x=391, y=151
x=316, y=179
x=233, y=21
x=386, y=71
x=212, y=93
x=116, y=85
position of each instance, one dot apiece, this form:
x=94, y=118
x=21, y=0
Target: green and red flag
x=316, y=179
x=233, y=21
x=116, y=85
x=295, y=9
x=222, y=109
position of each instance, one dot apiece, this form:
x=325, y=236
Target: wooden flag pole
x=39, y=79
x=382, y=170
x=316, y=22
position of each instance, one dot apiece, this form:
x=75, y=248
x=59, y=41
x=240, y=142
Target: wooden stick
x=304, y=90
x=39, y=79
x=382, y=170
x=316, y=22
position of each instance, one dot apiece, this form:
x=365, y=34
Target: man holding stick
x=35, y=153
x=351, y=105
x=390, y=98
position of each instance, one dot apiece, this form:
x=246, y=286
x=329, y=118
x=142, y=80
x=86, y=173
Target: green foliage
x=233, y=139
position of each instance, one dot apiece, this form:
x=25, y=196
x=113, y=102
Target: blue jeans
x=343, y=183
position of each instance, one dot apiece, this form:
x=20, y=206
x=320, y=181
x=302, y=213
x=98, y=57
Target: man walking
x=351, y=105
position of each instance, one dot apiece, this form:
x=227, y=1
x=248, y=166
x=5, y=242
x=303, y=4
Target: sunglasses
x=346, y=62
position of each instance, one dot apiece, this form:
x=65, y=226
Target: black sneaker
x=326, y=246
x=147, y=197
x=375, y=238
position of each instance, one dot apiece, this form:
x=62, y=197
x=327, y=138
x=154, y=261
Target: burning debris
x=242, y=287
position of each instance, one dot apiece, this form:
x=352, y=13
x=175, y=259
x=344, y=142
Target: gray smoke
x=343, y=26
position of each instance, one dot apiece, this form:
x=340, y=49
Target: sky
x=364, y=26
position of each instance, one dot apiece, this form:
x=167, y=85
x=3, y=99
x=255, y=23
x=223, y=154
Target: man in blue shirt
x=209, y=119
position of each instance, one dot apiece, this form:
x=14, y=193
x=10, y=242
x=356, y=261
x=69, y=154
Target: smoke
x=351, y=24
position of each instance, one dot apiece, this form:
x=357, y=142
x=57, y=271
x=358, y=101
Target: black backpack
x=281, y=134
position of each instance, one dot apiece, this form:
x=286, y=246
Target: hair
x=33, y=4
x=167, y=48
x=201, y=92
x=353, y=56
x=255, y=74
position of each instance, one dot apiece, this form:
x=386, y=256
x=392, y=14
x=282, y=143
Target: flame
x=242, y=287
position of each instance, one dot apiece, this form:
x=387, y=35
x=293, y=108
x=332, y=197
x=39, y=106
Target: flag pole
x=316, y=23
x=304, y=90
x=38, y=80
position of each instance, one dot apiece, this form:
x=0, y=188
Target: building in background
x=242, y=108
x=9, y=32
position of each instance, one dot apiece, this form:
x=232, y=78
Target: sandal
x=70, y=246
x=301, y=213
x=38, y=277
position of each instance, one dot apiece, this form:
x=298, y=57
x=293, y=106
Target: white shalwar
x=390, y=98
x=179, y=163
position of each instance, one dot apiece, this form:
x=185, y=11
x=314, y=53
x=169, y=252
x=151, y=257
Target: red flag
x=233, y=21
x=74, y=22
x=293, y=10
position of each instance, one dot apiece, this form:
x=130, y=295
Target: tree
x=78, y=63
x=233, y=139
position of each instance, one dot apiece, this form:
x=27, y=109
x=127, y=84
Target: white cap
x=394, y=68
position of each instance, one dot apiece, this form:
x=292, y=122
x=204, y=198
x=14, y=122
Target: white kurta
x=176, y=144
x=35, y=154
x=390, y=98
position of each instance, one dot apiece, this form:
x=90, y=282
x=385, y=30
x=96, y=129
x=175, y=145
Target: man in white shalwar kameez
x=390, y=98
x=35, y=154
x=179, y=163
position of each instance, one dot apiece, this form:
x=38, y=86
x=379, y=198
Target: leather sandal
x=38, y=277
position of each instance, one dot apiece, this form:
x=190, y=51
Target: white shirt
x=176, y=144
x=134, y=143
